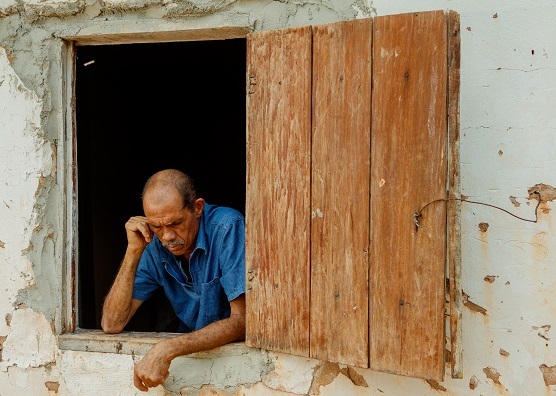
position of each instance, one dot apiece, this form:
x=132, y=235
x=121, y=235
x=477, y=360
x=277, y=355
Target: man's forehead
x=167, y=217
x=162, y=194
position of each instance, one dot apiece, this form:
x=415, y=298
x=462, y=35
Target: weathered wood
x=134, y=343
x=156, y=36
x=454, y=191
x=67, y=151
x=340, y=191
x=278, y=189
x=408, y=170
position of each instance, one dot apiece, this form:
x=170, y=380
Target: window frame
x=74, y=338
x=67, y=162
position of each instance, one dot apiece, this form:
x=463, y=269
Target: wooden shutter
x=340, y=192
x=278, y=189
x=408, y=166
x=336, y=268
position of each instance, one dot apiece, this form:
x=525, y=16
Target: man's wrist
x=170, y=348
x=134, y=251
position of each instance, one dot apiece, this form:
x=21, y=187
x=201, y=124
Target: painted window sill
x=135, y=343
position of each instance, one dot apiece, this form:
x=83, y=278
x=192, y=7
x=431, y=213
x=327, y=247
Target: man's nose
x=168, y=234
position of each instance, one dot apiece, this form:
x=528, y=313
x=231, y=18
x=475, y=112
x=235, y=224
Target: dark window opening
x=141, y=108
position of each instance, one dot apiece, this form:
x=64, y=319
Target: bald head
x=166, y=184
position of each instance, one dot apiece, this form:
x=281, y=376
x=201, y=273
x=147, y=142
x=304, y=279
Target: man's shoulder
x=215, y=214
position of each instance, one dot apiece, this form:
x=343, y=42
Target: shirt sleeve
x=232, y=260
x=145, y=284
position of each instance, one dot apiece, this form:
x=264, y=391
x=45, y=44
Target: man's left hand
x=152, y=369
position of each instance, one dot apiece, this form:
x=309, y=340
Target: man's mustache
x=172, y=243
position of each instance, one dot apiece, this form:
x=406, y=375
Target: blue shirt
x=217, y=267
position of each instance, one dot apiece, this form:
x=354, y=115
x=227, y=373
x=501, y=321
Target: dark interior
x=141, y=108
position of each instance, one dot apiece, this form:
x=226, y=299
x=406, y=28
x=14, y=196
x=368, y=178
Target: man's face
x=174, y=225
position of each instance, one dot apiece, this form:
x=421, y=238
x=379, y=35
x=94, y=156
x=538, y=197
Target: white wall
x=508, y=124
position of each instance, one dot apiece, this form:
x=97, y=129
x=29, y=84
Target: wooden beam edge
x=454, y=191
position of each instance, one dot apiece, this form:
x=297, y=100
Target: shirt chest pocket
x=213, y=303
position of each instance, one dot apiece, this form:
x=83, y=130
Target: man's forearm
x=117, y=308
x=214, y=335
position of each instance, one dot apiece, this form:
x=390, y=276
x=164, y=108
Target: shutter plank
x=340, y=191
x=408, y=170
x=454, y=190
x=278, y=187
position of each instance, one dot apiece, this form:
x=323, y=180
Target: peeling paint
x=2, y=339
x=290, y=374
x=31, y=342
x=448, y=357
x=324, y=375
x=543, y=333
x=548, y=193
x=473, y=382
x=436, y=386
x=52, y=386
x=472, y=306
x=493, y=374
x=548, y=374
x=513, y=200
x=490, y=278
x=354, y=376
x=503, y=352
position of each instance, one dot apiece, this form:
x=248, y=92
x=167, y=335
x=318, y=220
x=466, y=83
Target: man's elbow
x=110, y=328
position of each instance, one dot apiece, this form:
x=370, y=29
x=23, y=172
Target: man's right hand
x=139, y=234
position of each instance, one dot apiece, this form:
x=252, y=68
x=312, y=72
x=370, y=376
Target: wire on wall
x=419, y=214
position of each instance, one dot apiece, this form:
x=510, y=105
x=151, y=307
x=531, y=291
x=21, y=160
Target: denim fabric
x=217, y=267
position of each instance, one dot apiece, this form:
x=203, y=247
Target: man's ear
x=199, y=206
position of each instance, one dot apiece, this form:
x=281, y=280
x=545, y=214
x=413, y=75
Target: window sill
x=135, y=343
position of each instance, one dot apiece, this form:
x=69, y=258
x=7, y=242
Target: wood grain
x=340, y=191
x=454, y=191
x=408, y=170
x=156, y=36
x=278, y=189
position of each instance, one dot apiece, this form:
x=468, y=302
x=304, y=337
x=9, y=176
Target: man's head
x=173, y=210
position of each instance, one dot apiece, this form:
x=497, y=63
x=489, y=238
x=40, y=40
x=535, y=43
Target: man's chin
x=176, y=250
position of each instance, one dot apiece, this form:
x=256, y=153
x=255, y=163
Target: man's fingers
x=138, y=383
x=144, y=229
x=138, y=224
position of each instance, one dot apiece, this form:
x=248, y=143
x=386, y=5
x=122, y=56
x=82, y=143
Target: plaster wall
x=508, y=124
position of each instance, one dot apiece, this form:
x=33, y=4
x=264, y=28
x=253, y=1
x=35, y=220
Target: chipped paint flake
x=548, y=193
x=548, y=374
x=436, y=386
x=29, y=156
x=473, y=382
x=494, y=375
x=472, y=306
x=514, y=201
x=503, y=352
x=543, y=331
x=52, y=386
x=490, y=278
x=291, y=374
x=31, y=342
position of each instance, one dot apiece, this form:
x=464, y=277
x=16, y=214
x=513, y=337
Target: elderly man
x=196, y=253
